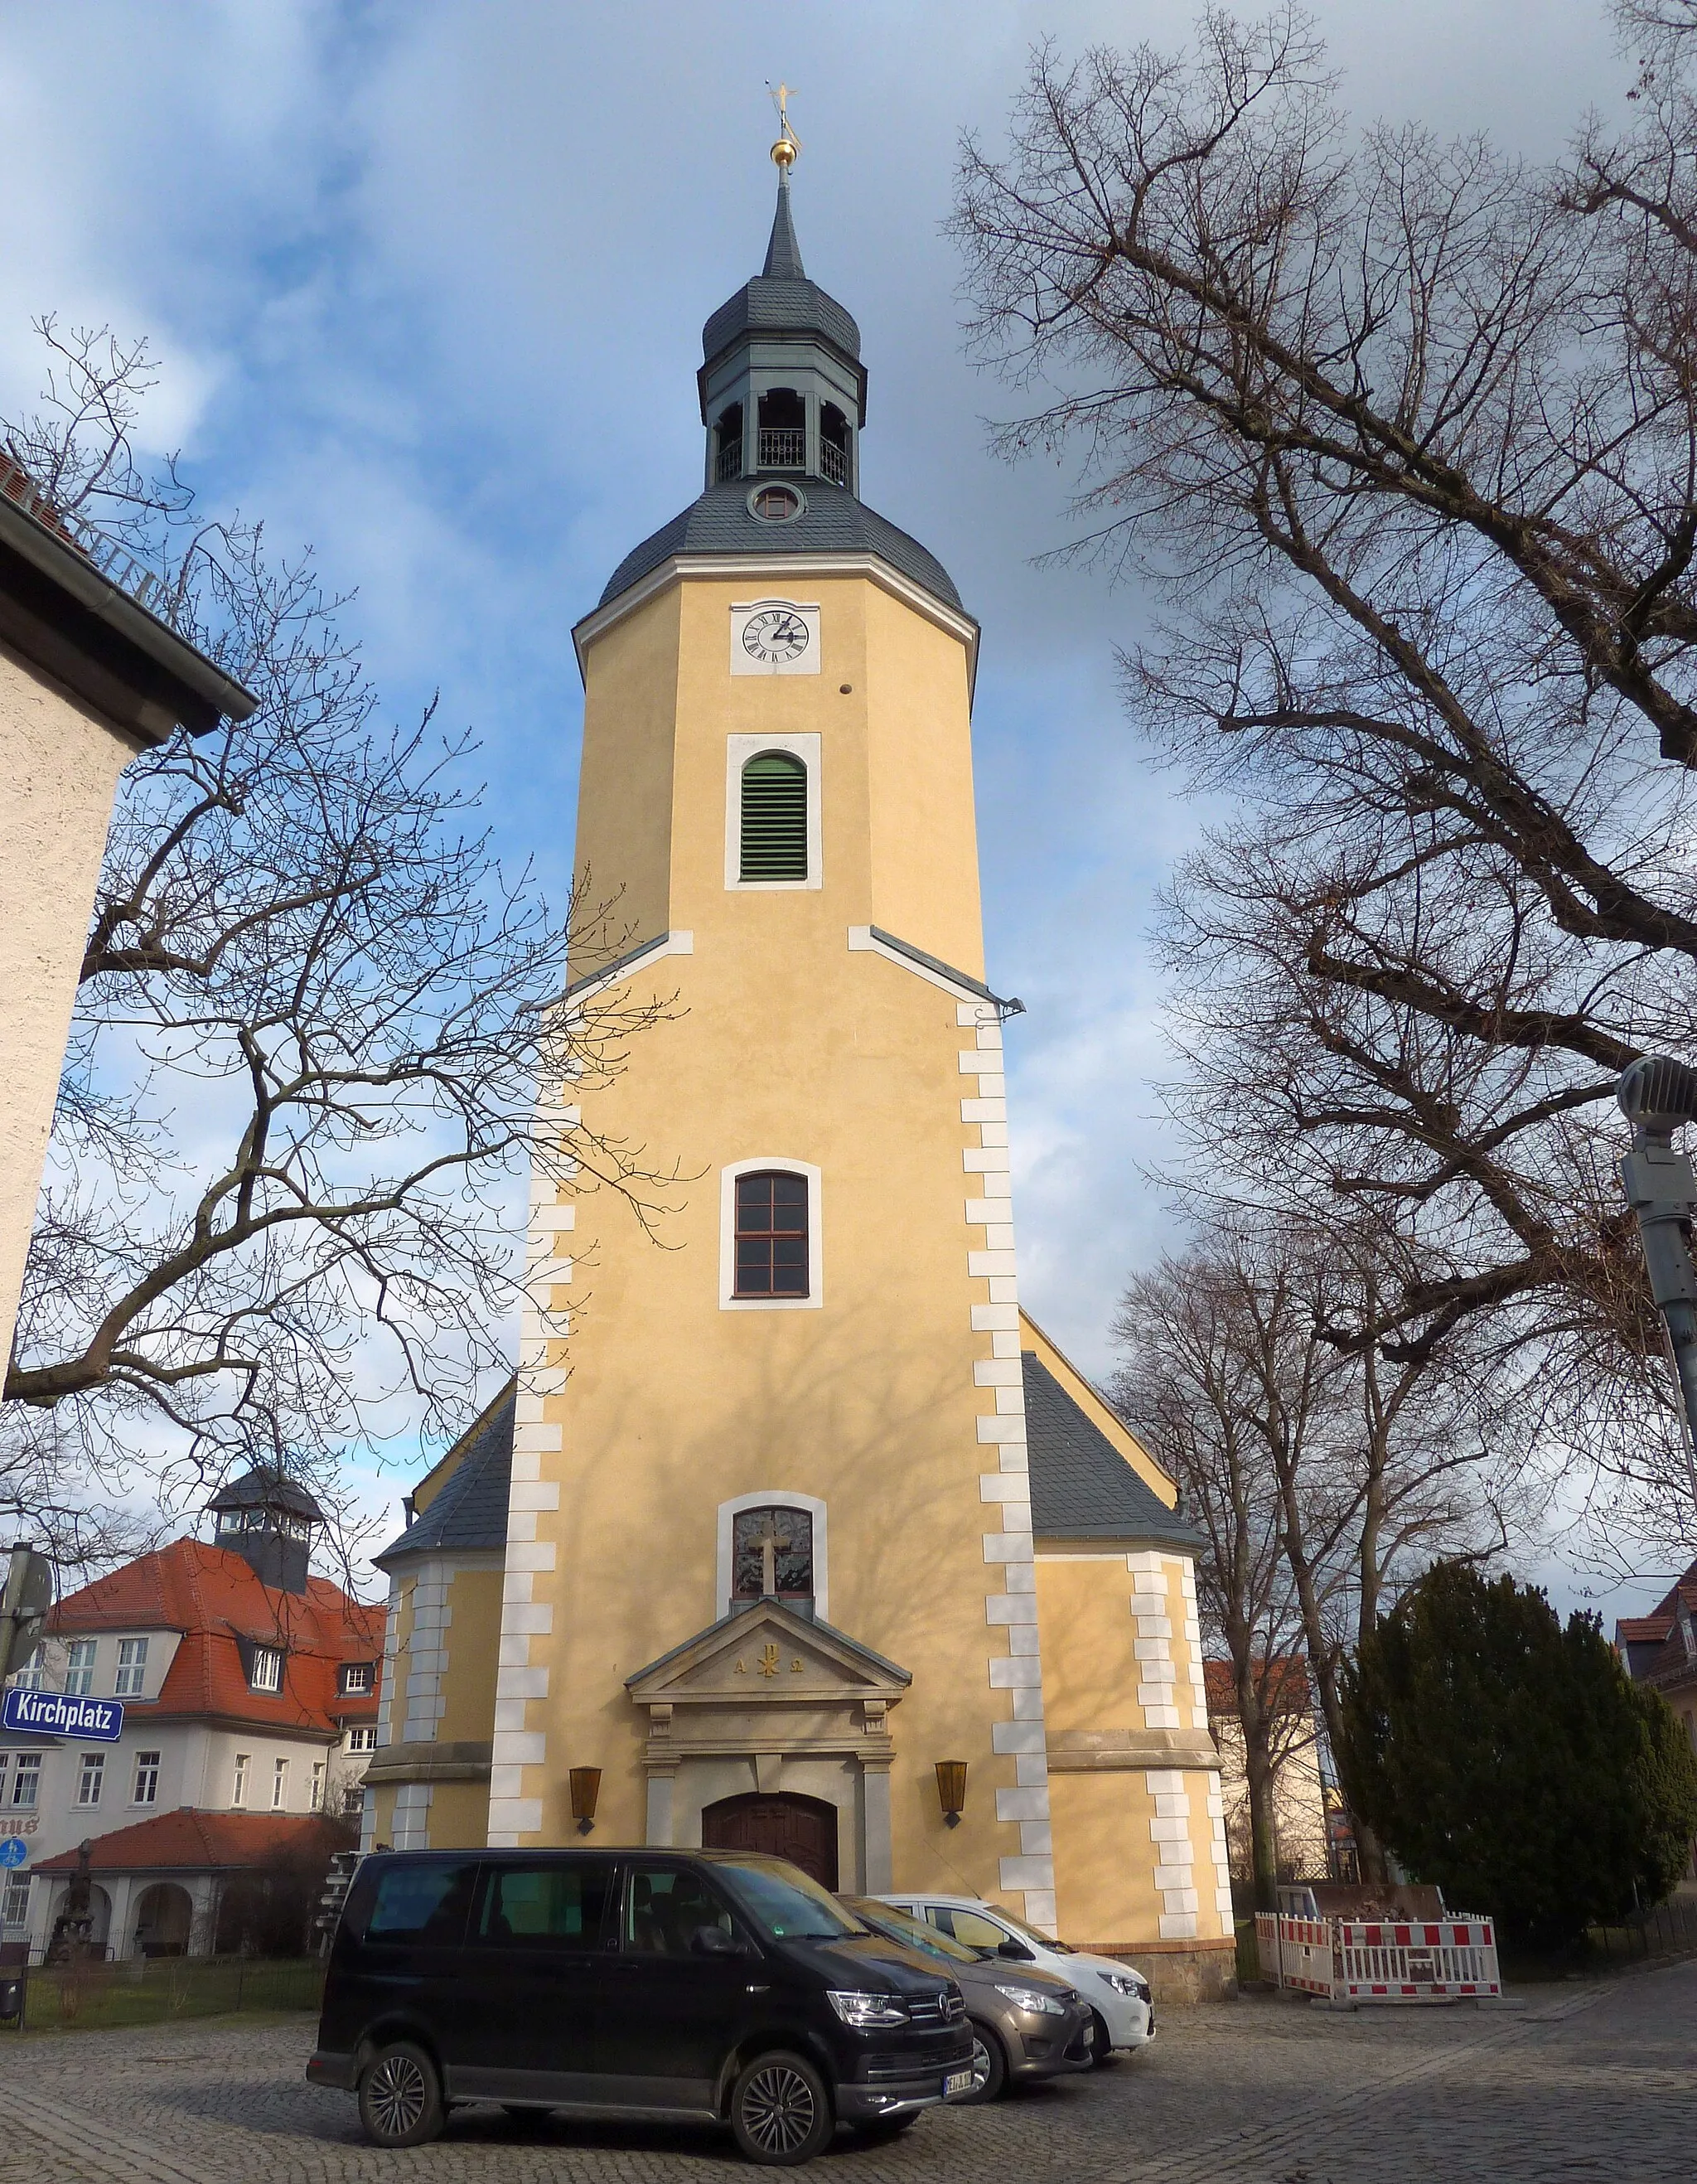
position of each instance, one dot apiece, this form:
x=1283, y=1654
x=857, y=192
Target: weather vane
x=789, y=144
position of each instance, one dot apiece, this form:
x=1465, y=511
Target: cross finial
x=788, y=143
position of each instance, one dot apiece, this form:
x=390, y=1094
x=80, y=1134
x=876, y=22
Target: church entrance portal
x=803, y=1830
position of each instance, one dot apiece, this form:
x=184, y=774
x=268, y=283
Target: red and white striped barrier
x=1381, y=1959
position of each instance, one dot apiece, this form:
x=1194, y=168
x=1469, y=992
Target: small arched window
x=772, y=1554
x=774, y=819
x=772, y=1234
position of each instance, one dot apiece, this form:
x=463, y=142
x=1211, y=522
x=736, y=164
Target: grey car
x=1026, y=2022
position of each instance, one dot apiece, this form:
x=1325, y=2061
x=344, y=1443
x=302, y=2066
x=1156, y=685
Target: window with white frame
x=362, y=1739
x=14, y=1911
x=356, y=1678
x=79, y=1667
x=26, y=1780
x=317, y=1785
x=773, y=831
x=280, y=1784
x=132, y=1667
x=90, y=1777
x=238, y=1788
x=267, y=1673
x=147, y=1779
x=29, y=1677
x=770, y=1240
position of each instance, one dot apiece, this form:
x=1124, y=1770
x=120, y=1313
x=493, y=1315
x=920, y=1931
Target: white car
x=1118, y=1996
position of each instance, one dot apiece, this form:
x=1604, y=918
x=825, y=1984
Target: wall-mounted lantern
x=586, y=1791
x=951, y=1790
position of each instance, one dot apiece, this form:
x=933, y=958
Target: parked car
x=1121, y=2004
x=711, y=1985
x=1026, y=2022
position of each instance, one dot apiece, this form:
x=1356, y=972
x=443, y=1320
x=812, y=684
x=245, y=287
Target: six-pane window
x=771, y=1235
x=147, y=1778
x=238, y=1788
x=132, y=1666
x=29, y=1677
x=267, y=1670
x=16, y=1908
x=27, y=1780
x=317, y=1784
x=89, y=1779
x=356, y=1676
x=363, y=1740
x=774, y=838
x=280, y=1784
x=79, y=1672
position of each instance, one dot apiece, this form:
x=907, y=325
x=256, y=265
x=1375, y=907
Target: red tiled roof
x=1645, y=1629
x=213, y=1597
x=1283, y=1683
x=188, y=1841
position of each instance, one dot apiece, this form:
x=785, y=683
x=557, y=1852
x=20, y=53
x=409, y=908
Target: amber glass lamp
x=951, y=1790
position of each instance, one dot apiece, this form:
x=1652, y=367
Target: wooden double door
x=803, y=1830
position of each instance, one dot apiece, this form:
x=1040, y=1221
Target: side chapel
x=809, y=1540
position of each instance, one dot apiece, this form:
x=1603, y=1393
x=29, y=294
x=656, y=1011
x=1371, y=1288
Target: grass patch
x=167, y=1990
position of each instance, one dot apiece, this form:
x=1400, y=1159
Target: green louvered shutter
x=774, y=817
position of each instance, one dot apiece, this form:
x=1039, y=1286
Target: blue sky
x=427, y=283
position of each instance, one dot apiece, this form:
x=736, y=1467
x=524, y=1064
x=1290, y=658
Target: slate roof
x=1081, y=1488
x=833, y=522
x=267, y=1490
x=189, y=1841
x=471, y=1509
x=214, y=1599
x=781, y=299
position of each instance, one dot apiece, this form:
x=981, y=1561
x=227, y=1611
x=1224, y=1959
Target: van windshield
x=785, y=1903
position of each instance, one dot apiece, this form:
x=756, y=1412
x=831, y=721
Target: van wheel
x=400, y=2097
x=781, y=2111
x=989, y=2070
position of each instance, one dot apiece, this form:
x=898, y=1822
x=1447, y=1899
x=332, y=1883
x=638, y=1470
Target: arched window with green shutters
x=774, y=832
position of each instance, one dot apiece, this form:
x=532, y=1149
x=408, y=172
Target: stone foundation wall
x=1179, y=1971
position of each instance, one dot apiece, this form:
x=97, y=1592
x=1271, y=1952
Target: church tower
x=774, y=1517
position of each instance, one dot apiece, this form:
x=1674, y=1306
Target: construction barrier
x=1381, y=1960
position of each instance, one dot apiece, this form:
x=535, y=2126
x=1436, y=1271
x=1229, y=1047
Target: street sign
x=52, y=1713
x=14, y=1850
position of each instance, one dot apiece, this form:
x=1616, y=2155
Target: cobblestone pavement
x=1593, y=2082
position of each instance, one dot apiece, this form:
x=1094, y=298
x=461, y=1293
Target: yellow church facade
x=793, y=1531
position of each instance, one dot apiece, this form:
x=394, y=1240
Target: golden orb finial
x=789, y=144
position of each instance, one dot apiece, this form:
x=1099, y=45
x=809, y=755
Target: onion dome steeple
x=783, y=392
x=783, y=397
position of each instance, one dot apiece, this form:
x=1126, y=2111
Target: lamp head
x=1658, y=1096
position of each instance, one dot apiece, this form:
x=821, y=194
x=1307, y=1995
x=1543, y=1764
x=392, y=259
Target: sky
x=426, y=283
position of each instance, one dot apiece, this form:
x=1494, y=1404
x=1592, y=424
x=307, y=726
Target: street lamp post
x=1659, y=1097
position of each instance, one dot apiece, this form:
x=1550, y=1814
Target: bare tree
x=319, y=1033
x=1323, y=1479
x=1187, y=1384
x=1408, y=432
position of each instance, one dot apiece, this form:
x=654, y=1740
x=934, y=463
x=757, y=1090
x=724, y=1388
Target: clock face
x=774, y=634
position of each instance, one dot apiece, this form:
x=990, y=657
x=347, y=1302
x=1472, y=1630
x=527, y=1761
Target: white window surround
x=738, y=750
x=782, y=1497
x=728, y=1300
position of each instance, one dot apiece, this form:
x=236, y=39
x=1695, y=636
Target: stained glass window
x=788, y=1535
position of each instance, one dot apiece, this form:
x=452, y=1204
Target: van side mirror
x=714, y=1942
x=1017, y=1950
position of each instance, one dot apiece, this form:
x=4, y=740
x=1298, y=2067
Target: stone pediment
x=769, y=1656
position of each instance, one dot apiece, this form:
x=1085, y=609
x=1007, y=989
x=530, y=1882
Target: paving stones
x=1596, y=2083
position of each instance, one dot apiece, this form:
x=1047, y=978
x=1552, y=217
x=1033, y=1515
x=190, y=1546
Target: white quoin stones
x=1001, y=1426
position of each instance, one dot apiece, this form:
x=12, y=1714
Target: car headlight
x=1128, y=1984
x=1034, y=1999
x=864, y=2011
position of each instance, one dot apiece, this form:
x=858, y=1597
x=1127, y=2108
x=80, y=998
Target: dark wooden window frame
x=771, y=1221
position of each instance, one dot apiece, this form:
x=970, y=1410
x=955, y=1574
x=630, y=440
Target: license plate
x=957, y=2082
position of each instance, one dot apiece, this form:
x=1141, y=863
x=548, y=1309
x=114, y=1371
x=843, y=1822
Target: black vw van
x=706, y=1985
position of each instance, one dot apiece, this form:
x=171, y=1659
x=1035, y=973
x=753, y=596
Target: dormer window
x=266, y=1671
x=132, y=1667
x=356, y=1679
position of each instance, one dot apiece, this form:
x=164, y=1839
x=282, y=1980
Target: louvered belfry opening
x=774, y=838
